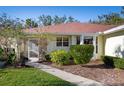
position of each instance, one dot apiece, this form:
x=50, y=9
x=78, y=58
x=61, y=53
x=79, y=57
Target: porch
x=35, y=48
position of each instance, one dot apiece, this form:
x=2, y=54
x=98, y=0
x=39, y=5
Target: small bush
x=48, y=58
x=60, y=57
x=1, y=52
x=108, y=61
x=3, y=57
x=119, y=63
x=81, y=53
x=11, y=58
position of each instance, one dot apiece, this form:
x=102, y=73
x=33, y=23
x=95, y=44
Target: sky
x=81, y=13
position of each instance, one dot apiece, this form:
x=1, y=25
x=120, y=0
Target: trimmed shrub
x=108, y=61
x=60, y=57
x=81, y=54
x=119, y=63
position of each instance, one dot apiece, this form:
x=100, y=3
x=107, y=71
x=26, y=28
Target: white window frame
x=63, y=41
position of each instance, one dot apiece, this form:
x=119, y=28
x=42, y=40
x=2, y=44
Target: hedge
x=108, y=61
x=81, y=53
x=116, y=62
x=119, y=63
x=60, y=57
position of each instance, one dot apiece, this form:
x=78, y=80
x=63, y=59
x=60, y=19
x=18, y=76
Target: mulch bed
x=95, y=70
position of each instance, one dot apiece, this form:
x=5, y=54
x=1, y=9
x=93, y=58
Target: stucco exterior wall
x=114, y=44
x=73, y=40
x=110, y=43
x=100, y=46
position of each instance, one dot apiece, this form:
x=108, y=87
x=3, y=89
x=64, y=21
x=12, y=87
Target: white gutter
x=115, y=29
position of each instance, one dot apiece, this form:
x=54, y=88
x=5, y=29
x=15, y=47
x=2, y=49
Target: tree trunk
x=42, y=49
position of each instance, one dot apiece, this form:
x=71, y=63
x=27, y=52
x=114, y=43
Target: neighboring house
x=105, y=39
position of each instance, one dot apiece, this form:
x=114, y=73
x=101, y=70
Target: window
x=62, y=41
x=59, y=41
x=78, y=40
x=65, y=41
x=88, y=40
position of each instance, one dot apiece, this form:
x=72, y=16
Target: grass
x=29, y=77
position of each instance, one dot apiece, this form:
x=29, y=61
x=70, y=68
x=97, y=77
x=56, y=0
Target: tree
x=10, y=32
x=45, y=20
x=59, y=20
x=122, y=11
x=71, y=19
x=30, y=23
x=111, y=18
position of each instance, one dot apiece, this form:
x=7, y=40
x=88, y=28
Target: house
x=113, y=41
x=107, y=39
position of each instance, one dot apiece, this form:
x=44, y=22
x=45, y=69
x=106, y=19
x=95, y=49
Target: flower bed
x=95, y=70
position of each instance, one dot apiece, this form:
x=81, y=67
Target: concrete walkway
x=75, y=79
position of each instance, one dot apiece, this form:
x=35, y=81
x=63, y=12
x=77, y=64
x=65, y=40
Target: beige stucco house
x=107, y=39
x=113, y=41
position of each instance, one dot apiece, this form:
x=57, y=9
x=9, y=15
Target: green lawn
x=29, y=77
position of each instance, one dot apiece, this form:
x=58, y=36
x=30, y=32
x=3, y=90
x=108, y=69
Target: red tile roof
x=71, y=28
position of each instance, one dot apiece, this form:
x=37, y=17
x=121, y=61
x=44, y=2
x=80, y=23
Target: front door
x=33, y=50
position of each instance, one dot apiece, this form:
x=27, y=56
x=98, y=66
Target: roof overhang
x=65, y=33
x=113, y=30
